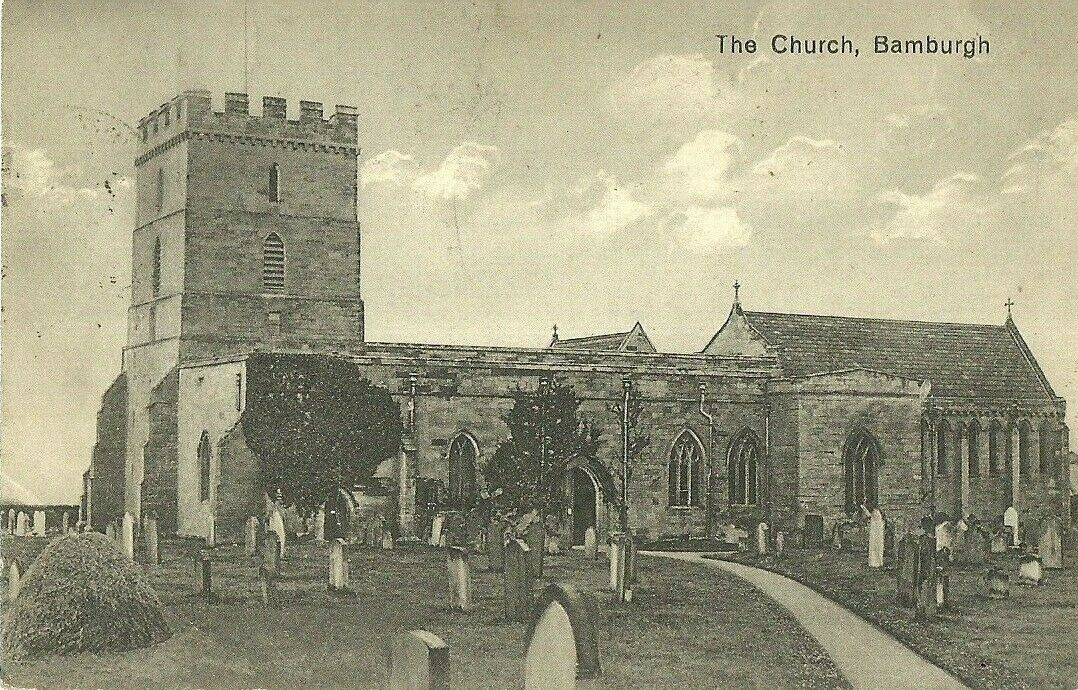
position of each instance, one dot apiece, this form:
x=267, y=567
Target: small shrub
x=82, y=594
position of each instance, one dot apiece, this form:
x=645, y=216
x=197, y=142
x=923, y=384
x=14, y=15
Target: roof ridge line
x=876, y=318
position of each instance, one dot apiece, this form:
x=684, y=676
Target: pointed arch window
x=204, y=467
x=684, y=471
x=743, y=470
x=275, y=182
x=973, y=448
x=463, y=456
x=273, y=263
x=862, y=463
x=996, y=443
x=155, y=269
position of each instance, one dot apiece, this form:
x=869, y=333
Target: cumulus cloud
x=706, y=230
x=464, y=171
x=701, y=168
x=933, y=215
x=616, y=209
x=35, y=175
x=672, y=87
x=1050, y=156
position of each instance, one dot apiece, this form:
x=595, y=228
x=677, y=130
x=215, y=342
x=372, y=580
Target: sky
x=585, y=164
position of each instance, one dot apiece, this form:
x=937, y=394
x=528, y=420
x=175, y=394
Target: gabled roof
x=633, y=340
x=959, y=360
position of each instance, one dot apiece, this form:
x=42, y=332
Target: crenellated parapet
x=191, y=114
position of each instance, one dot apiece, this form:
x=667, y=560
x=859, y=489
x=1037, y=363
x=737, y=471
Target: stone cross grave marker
x=1010, y=519
x=460, y=578
x=250, y=536
x=127, y=536
x=761, y=539
x=14, y=581
x=562, y=642
x=150, y=540
x=1050, y=546
x=517, y=581
x=1030, y=570
x=876, y=529
x=535, y=536
x=39, y=523
x=591, y=548
x=338, y=567
x=418, y=660
x=276, y=525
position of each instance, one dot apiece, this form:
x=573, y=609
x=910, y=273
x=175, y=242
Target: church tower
x=246, y=238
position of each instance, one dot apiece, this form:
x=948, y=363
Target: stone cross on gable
x=1009, y=303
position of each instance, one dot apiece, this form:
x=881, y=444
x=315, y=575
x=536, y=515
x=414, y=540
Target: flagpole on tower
x=246, y=76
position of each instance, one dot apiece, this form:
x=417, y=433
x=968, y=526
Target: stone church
x=247, y=241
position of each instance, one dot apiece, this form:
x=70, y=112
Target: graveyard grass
x=1027, y=640
x=689, y=626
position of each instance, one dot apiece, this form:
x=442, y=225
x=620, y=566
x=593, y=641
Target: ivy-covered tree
x=316, y=425
x=546, y=433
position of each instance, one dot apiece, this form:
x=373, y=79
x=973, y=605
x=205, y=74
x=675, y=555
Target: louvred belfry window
x=273, y=264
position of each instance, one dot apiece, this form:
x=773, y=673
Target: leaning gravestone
x=460, y=578
x=250, y=536
x=418, y=660
x=875, y=539
x=535, y=537
x=626, y=568
x=1049, y=546
x=562, y=642
x=517, y=580
x=591, y=547
x=1010, y=519
x=613, y=553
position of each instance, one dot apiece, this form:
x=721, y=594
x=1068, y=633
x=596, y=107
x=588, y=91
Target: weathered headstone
x=1000, y=541
x=1049, y=546
x=276, y=525
x=1030, y=570
x=944, y=536
x=12, y=518
x=127, y=536
x=761, y=539
x=387, y=540
x=813, y=533
x=1010, y=519
x=150, y=540
x=436, y=536
x=875, y=539
x=535, y=537
x=250, y=536
x=562, y=642
x=614, y=553
x=320, y=525
x=460, y=578
x=110, y=531
x=733, y=535
x=591, y=548
x=495, y=545
x=997, y=584
x=22, y=524
x=418, y=660
x=39, y=523
x=780, y=544
x=338, y=567
x=271, y=554
x=14, y=581
x=65, y=522
x=517, y=580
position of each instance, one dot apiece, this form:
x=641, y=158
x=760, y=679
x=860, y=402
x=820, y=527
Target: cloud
x=1051, y=156
x=706, y=230
x=32, y=173
x=672, y=87
x=701, y=168
x=615, y=210
x=933, y=215
x=464, y=171
x=796, y=155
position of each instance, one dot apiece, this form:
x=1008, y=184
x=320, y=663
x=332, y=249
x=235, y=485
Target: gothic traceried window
x=463, y=457
x=204, y=467
x=273, y=263
x=743, y=471
x=862, y=465
x=685, y=471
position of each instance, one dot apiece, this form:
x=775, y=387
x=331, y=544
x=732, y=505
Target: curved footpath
x=866, y=655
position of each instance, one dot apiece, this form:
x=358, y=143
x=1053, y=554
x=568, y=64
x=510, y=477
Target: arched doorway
x=586, y=496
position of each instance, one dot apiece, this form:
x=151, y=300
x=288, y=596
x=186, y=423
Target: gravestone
x=65, y=522
x=436, y=536
x=320, y=525
x=150, y=540
x=387, y=540
x=418, y=660
x=813, y=533
x=517, y=581
x=271, y=554
x=1010, y=519
x=1030, y=570
x=780, y=544
x=562, y=642
x=14, y=581
x=626, y=568
x=495, y=545
x=276, y=525
x=460, y=578
x=127, y=536
x=1049, y=546
x=733, y=535
x=761, y=539
x=591, y=548
x=997, y=584
x=875, y=539
x=22, y=524
x=944, y=594
x=12, y=518
x=338, y=567
x=999, y=542
x=614, y=553
x=39, y=523
x=110, y=531
x=944, y=536
x=250, y=536
x=535, y=537
x=205, y=565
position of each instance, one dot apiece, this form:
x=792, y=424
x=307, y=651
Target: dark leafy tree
x=316, y=425
x=546, y=434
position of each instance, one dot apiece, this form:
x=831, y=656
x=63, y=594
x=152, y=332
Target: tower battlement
x=192, y=112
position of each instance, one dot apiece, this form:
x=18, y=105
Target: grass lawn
x=1029, y=640
x=689, y=627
